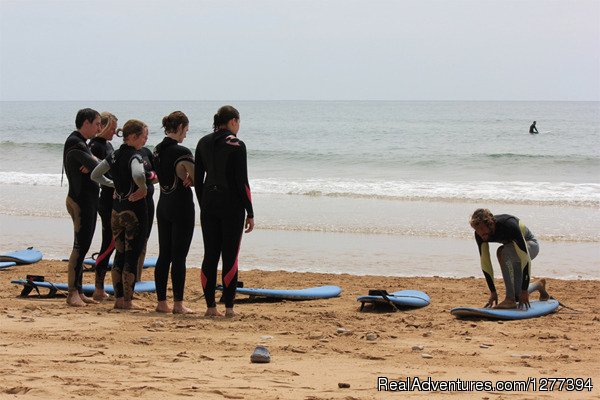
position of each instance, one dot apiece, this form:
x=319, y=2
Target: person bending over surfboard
x=82, y=199
x=102, y=148
x=224, y=198
x=519, y=247
x=129, y=215
x=175, y=211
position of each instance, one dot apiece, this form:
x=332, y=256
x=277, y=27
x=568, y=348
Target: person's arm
x=199, y=171
x=488, y=271
x=98, y=174
x=82, y=155
x=138, y=174
x=243, y=186
x=184, y=168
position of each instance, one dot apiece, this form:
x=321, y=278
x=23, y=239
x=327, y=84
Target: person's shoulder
x=234, y=142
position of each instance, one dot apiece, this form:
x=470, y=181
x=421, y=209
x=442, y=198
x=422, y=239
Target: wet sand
x=50, y=350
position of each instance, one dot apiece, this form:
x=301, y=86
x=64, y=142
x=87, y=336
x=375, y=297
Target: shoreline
x=314, y=345
x=325, y=252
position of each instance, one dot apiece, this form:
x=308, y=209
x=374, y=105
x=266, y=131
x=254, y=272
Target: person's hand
x=187, y=182
x=524, y=300
x=249, y=225
x=84, y=170
x=492, y=301
x=138, y=194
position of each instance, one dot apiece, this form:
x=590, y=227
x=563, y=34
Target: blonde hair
x=106, y=117
x=482, y=216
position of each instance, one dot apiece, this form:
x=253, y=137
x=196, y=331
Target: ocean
x=365, y=187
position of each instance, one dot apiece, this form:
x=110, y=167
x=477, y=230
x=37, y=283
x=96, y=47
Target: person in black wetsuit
x=532, y=128
x=224, y=196
x=82, y=199
x=129, y=216
x=519, y=247
x=101, y=147
x=175, y=211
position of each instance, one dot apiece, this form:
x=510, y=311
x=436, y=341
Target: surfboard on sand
x=22, y=257
x=538, y=308
x=6, y=264
x=400, y=299
x=320, y=292
x=141, y=287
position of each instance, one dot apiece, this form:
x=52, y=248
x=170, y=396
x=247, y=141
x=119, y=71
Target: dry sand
x=49, y=350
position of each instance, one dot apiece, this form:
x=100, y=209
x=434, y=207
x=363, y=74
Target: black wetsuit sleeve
x=199, y=171
x=241, y=179
x=82, y=157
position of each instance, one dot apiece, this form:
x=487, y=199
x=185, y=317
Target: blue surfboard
x=320, y=292
x=141, y=287
x=22, y=257
x=537, y=309
x=402, y=298
x=6, y=264
x=149, y=262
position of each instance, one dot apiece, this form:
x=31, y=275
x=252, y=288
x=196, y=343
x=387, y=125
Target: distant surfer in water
x=532, y=128
x=519, y=247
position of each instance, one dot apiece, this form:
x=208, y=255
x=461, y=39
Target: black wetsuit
x=102, y=148
x=175, y=216
x=129, y=221
x=533, y=129
x=148, y=158
x=509, y=229
x=82, y=202
x=224, y=198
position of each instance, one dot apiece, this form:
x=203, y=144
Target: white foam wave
x=584, y=194
x=512, y=192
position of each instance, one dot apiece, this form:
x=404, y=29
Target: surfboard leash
x=567, y=307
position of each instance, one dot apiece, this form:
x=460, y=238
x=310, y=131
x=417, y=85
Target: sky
x=300, y=50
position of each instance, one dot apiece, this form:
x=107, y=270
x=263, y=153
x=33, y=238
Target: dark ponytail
x=223, y=116
x=172, y=121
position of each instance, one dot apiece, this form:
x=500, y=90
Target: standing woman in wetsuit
x=129, y=216
x=225, y=202
x=102, y=148
x=175, y=211
x=82, y=199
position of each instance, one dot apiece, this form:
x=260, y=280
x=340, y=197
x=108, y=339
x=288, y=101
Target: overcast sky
x=300, y=50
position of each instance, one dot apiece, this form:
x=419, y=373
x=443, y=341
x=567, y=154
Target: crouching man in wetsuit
x=519, y=247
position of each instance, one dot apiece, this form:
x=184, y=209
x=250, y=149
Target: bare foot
x=119, y=303
x=130, y=305
x=179, y=308
x=506, y=304
x=544, y=296
x=99, y=295
x=229, y=313
x=212, y=312
x=163, y=307
x=74, y=300
x=86, y=299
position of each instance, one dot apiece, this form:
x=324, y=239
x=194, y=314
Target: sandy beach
x=50, y=350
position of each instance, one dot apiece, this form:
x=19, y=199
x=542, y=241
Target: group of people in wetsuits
x=218, y=172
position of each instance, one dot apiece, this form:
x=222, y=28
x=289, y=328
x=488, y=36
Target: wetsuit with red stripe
x=102, y=148
x=223, y=193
